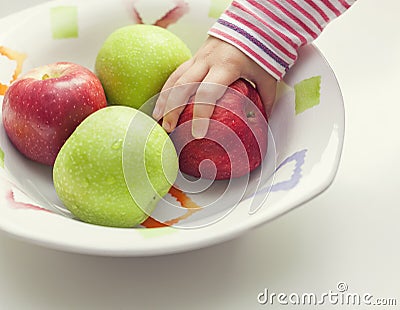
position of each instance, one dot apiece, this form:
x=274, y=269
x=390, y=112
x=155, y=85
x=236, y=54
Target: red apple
x=236, y=141
x=43, y=107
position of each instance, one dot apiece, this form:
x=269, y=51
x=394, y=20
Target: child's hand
x=216, y=62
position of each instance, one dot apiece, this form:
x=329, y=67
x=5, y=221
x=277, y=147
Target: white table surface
x=348, y=234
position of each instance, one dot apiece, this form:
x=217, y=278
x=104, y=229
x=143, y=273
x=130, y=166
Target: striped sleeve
x=271, y=31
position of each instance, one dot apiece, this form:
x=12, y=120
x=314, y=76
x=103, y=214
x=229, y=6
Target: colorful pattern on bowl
x=306, y=146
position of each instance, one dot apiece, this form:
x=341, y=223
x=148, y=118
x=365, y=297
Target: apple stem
x=45, y=76
x=251, y=114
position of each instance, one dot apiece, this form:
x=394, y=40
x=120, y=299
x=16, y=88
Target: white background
x=350, y=233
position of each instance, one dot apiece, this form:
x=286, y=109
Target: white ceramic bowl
x=303, y=157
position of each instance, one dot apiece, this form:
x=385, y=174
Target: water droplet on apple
x=117, y=144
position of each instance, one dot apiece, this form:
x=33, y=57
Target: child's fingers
x=178, y=95
x=267, y=90
x=210, y=90
x=265, y=84
x=159, y=108
x=175, y=104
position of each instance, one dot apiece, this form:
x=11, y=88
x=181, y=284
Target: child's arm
x=256, y=40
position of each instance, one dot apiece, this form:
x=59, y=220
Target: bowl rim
x=191, y=240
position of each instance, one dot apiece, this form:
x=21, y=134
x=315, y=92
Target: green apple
x=135, y=61
x=115, y=167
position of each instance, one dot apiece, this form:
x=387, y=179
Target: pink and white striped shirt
x=271, y=31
